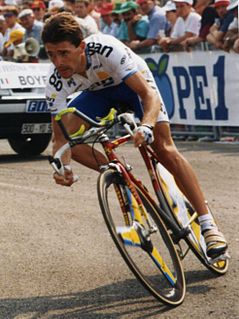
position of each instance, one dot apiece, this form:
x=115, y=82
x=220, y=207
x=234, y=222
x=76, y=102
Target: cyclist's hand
x=144, y=134
x=65, y=180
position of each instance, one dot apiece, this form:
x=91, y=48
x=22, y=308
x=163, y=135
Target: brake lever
x=57, y=165
x=128, y=121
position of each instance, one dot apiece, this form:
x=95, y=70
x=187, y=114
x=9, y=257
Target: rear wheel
x=153, y=259
x=29, y=145
x=194, y=240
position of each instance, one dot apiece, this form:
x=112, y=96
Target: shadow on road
x=126, y=299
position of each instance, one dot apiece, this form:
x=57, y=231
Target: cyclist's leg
x=96, y=104
x=187, y=181
x=92, y=104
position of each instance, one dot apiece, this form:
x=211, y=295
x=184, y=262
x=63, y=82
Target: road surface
x=57, y=259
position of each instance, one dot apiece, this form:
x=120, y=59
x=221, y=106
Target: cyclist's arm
x=148, y=95
x=151, y=103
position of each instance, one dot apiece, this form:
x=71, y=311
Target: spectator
x=109, y=26
x=94, y=13
x=200, y=5
x=70, y=4
x=31, y=25
x=55, y=5
x=187, y=25
x=232, y=33
x=209, y=15
x=219, y=28
x=136, y=25
x=171, y=16
x=15, y=38
x=33, y=31
x=39, y=9
x=82, y=11
x=116, y=16
x=10, y=14
x=157, y=22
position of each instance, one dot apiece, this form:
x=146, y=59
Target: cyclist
x=107, y=73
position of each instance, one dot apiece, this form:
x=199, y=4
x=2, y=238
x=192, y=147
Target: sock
x=206, y=222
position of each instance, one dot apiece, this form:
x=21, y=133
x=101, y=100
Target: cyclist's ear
x=82, y=45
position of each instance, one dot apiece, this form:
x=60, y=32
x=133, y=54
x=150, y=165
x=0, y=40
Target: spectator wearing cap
x=54, y=6
x=232, y=34
x=39, y=10
x=218, y=30
x=11, y=17
x=109, y=26
x=32, y=26
x=209, y=16
x=10, y=14
x=187, y=25
x=136, y=25
x=116, y=16
x=82, y=8
x=157, y=22
x=171, y=16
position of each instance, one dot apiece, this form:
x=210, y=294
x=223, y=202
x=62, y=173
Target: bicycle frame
x=148, y=156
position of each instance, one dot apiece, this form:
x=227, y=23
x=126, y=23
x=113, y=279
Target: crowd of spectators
x=143, y=25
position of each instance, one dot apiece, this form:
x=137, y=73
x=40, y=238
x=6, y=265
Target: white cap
x=190, y=2
x=2, y=18
x=10, y=2
x=233, y=4
x=55, y=4
x=169, y=6
x=25, y=12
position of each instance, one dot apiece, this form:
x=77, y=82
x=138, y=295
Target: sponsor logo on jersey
x=94, y=47
x=95, y=67
x=71, y=82
x=123, y=59
x=50, y=102
x=104, y=83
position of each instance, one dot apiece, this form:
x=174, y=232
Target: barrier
x=199, y=89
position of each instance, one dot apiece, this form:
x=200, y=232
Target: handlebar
x=98, y=128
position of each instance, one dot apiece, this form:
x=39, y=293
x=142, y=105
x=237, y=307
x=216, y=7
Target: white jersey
x=191, y=24
x=109, y=63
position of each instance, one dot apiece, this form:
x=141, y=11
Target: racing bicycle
x=147, y=232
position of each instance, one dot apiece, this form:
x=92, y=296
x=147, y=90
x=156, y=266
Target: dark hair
x=62, y=27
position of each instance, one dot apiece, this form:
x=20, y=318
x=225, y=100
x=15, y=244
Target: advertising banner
x=198, y=88
x=23, y=75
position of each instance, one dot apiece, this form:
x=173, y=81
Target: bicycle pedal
x=222, y=257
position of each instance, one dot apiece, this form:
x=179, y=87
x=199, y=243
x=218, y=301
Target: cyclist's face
x=67, y=58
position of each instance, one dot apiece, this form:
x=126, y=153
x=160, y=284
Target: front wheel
x=153, y=259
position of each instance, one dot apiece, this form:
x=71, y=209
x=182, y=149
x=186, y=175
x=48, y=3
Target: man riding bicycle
x=107, y=73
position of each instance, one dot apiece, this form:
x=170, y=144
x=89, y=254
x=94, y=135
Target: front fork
x=132, y=203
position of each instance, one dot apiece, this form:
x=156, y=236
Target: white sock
x=206, y=222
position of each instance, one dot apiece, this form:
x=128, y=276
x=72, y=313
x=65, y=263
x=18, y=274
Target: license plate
x=36, y=128
x=36, y=106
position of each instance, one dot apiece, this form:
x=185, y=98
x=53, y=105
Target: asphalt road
x=57, y=259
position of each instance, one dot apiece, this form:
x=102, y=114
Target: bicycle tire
x=139, y=261
x=218, y=268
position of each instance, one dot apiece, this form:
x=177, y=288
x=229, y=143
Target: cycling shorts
x=97, y=104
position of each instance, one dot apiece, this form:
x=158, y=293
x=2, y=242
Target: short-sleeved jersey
x=109, y=63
